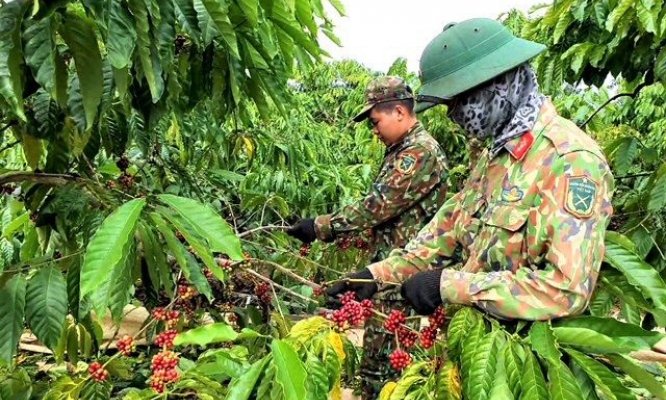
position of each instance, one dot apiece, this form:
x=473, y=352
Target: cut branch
x=46, y=179
x=612, y=99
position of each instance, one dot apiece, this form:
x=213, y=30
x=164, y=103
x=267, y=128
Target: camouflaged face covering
x=503, y=108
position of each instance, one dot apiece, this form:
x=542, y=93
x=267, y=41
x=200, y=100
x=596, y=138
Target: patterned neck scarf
x=502, y=109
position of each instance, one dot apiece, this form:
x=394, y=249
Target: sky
x=377, y=32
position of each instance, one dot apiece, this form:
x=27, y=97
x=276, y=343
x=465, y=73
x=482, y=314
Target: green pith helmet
x=467, y=54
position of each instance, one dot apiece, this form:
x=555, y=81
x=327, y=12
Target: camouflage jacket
x=528, y=228
x=408, y=191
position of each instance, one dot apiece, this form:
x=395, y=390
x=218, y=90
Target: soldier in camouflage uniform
x=525, y=238
x=408, y=191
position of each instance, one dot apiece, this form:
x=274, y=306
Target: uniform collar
x=520, y=145
x=407, y=139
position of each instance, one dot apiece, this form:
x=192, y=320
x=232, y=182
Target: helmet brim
x=503, y=59
x=364, y=113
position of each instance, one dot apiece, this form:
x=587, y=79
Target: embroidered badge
x=406, y=163
x=512, y=194
x=581, y=195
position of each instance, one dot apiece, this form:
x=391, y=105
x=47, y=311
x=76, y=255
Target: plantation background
x=152, y=151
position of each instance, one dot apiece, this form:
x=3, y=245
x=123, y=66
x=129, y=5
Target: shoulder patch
x=581, y=195
x=406, y=163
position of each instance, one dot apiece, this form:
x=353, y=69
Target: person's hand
x=421, y=291
x=304, y=230
x=363, y=290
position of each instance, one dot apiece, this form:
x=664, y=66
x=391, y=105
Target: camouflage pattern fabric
x=408, y=191
x=529, y=225
x=381, y=90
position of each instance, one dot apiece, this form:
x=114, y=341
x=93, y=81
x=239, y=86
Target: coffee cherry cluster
x=344, y=243
x=428, y=336
x=360, y=244
x=225, y=264
x=126, y=180
x=352, y=313
x=126, y=345
x=438, y=318
x=263, y=291
x=98, y=372
x=164, y=370
x=305, y=250
x=186, y=292
x=394, y=321
x=407, y=337
x=400, y=359
x=165, y=339
x=123, y=163
x=319, y=291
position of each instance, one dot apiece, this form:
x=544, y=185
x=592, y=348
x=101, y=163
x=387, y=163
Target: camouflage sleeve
x=432, y=247
x=415, y=174
x=565, y=246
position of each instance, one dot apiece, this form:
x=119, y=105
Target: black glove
x=363, y=290
x=304, y=230
x=422, y=291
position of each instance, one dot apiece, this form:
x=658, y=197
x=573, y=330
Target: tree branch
x=617, y=96
x=46, y=179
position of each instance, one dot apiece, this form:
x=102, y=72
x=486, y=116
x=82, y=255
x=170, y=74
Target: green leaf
x=220, y=17
x=339, y=7
x=460, y=324
x=115, y=292
x=603, y=378
x=158, y=269
x=500, y=388
x=148, y=54
x=513, y=365
x=96, y=391
x=660, y=65
x=585, y=384
x=561, y=383
x=658, y=192
x=249, y=8
x=470, y=345
x=46, y=305
x=204, y=335
x=16, y=224
x=11, y=57
x=532, y=381
x=624, y=334
x=79, y=34
x=185, y=260
x=639, y=273
x=601, y=303
x=640, y=375
x=645, y=17
x=618, y=13
x=208, y=224
x=32, y=150
x=290, y=370
x=317, y=380
x=187, y=16
x=12, y=312
x=105, y=250
x=241, y=389
x=121, y=36
x=591, y=341
x=483, y=367
x=16, y=386
x=40, y=51
x=543, y=343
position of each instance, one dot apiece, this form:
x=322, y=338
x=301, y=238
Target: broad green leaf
x=640, y=375
x=115, y=292
x=187, y=16
x=16, y=386
x=290, y=370
x=12, y=312
x=470, y=344
x=317, y=380
x=639, y=273
x=96, y=391
x=601, y=303
x=660, y=65
x=448, y=385
x=500, y=388
x=543, y=342
x=482, y=368
x=603, y=378
x=404, y=386
x=121, y=36
x=622, y=333
x=158, y=269
x=513, y=366
x=561, y=383
x=591, y=341
x=220, y=17
x=618, y=13
x=11, y=56
x=186, y=261
x=79, y=34
x=32, y=150
x=339, y=7
x=46, y=305
x=532, y=382
x=16, y=224
x=241, y=389
x=224, y=364
x=147, y=51
x=207, y=223
x=40, y=51
x=584, y=382
x=250, y=10
x=461, y=322
x=65, y=388
x=658, y=192
x=204, y=335
x=645, y=17
x=105, y=250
